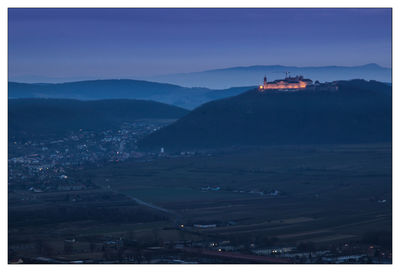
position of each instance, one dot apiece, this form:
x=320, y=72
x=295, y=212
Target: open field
x=326, y=195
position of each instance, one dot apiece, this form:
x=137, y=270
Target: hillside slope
x=359, y=112
x=188, y=98
x=35, y=117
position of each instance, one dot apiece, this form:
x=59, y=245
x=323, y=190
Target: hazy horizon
x=44, y=79
x=78, y=44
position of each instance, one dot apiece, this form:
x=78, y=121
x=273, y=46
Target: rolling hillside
x=36, y=117
x=359, y=112
x=188, y=98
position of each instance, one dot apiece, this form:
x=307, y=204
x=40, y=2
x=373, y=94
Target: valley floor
x=296, y=204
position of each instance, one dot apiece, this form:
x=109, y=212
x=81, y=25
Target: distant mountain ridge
x=121, y=89
x=358, y=112
x=252, y=75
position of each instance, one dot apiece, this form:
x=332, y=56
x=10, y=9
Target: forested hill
x=188, y=98
x=35, y=117
x=358, y=112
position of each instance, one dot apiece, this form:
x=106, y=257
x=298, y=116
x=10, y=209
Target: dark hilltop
x=358, y=111
x=33, y=118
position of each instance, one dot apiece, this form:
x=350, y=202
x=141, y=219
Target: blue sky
x=118, y=43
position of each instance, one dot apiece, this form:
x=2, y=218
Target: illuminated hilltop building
x=297, y=82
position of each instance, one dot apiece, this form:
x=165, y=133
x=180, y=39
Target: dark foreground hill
x=122, y=89
x=358, y=112
x=36, y=117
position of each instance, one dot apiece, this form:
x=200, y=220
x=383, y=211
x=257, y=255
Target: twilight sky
x=133, y=43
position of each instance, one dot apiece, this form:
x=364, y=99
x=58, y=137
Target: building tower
x=265, y=82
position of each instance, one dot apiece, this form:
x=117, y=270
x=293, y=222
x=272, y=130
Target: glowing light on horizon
x=283, y=85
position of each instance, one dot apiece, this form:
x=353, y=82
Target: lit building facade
x=297, y=82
